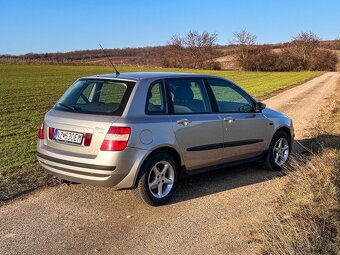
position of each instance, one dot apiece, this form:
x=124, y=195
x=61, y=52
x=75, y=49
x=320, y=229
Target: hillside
x=144, y=56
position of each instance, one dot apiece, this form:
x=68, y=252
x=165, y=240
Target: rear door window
x=188, y=95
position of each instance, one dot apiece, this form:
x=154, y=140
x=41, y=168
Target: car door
x=197, y=129
x=245, y=132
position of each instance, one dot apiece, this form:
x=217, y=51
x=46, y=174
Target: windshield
x=96, y=96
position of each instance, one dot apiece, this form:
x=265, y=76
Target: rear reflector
x=116, y=139
x=51, y=133
x=87, y=140
x=41, y=134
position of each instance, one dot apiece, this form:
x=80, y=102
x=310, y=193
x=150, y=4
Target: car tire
x=158, y=179
x=278, y=152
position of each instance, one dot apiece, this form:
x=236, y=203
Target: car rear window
x=96, y=96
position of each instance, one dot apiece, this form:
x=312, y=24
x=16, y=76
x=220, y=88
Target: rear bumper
x=77, y=164
x=119, y=169
x=79, y=172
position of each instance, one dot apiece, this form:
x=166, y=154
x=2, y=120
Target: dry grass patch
x=307, y=221
x=307, y=218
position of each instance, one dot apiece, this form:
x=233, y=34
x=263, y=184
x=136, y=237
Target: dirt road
x=212, y=213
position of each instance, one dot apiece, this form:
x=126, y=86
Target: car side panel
x=280, y=121
x=201, y=141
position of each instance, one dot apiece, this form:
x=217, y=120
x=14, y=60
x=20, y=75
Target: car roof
x=148, y=75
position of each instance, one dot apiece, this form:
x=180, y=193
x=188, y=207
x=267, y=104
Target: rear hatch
x=78, y=123
x=64, y=125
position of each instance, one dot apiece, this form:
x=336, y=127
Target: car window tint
x=228, y=98
x=96, y=96
x=87, y=94
x=188, y=96
x=111, y=92
x=155, y=100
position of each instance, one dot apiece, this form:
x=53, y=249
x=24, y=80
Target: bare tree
x=337, y=43
x=176, y=40
x=193, y=50
x=176, y=54
x=244, y=41
x=201, y=46
x=243, y=38
x=304, y=45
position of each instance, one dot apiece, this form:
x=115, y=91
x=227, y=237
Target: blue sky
x=65, y=25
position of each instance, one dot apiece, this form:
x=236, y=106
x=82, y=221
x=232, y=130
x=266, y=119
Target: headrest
x=183, y=93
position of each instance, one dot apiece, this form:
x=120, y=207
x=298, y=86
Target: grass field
x=28, y=91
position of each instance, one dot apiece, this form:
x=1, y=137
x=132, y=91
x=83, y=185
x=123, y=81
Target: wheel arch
x=167, y=148
x=286, y=130
x=171, y=151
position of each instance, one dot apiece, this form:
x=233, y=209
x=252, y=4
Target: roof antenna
x=117, y=73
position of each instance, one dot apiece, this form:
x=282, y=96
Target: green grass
x=28, y=91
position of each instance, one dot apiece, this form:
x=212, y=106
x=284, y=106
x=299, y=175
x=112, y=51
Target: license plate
x=67, y=136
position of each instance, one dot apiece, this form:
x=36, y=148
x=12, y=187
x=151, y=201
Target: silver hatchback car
x=142, y=130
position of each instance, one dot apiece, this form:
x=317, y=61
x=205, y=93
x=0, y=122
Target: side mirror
x=259, y=106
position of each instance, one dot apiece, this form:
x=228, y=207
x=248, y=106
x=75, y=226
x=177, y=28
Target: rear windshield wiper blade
x=75, y=109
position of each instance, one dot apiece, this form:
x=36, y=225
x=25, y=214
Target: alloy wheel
x=161, y=179
x=281, y=151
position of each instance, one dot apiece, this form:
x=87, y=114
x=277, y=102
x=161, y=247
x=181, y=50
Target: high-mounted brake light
x=116, y=139
x=41, y=134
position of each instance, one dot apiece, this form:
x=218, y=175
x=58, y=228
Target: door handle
x=184, y=122
x=229, y=119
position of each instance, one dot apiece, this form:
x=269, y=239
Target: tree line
x=303, y=52
x=200, y=50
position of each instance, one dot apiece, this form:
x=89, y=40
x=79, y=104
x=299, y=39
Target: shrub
x=264, y=59
x=212, y=65
x=302, y=53
x=323, y=60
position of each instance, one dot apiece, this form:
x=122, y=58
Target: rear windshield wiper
x=72, y=108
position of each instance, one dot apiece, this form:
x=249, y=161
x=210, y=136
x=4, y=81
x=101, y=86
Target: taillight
x=41, y=134
x=51, y=133
x=87, y=139
x=116, y=139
